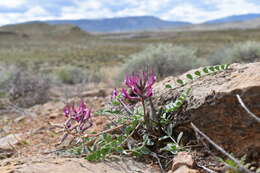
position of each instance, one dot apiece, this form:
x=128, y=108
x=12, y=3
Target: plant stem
x=106, y=131
x=125, y=107
x=146, y=118
x=173, y=140
x=131, y=134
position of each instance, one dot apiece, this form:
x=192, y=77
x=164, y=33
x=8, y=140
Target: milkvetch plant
x=140, y=123
x=138, y=127
x=140, y=89
x=78, y=120
x=80, y=115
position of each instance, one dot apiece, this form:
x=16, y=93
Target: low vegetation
x=97, y=51
x=27, y=89
x=71, y=75
x=164, y=59
x=239, y=52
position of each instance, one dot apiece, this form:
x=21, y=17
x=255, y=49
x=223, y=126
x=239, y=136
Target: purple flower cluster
x=77, y=118
x=139, y=86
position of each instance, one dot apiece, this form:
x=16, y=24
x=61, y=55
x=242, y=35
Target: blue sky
x=196, y=11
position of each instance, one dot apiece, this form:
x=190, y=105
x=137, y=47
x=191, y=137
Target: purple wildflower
x=114, y=93
x=140, y=85
x=81, y=116
x=66, y=111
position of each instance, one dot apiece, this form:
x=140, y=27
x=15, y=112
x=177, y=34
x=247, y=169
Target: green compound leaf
x=217, y=67
x=178, y=102
x=115, y=103
x=163, y=137
x=179, y=137
x=179, y=81
x=189, y=76
x=227, y=66
x=205, y=70
x=168, y=86
x=198, y=73
x=169, y=129
x=212, y=69
x=93, y=157
x=145, y=150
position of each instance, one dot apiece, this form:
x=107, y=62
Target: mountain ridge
x=234, y=18
x=121, y=24
x=151, y=23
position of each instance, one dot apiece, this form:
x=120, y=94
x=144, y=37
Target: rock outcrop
x=7, y=142
x=50, y=164
x=7, y=145
x=214, y=108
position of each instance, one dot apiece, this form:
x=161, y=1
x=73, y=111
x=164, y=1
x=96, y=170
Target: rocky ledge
x=213, y=107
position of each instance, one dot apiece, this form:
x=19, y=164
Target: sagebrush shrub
x=4, y=81
x=28, y=89
x=70, y=75
x=163, y=59
x=74, y=75
x=240, y=52
x=7, y=74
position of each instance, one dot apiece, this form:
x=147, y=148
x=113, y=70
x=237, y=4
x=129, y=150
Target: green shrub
x=163, y=59
x=240, y=52
x=28, y=89
x=70, y=75
x=75, y=75
x=7, y=74
x=4, y=80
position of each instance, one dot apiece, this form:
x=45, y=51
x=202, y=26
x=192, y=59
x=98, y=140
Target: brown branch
x=207, y=169
x=131, y=134
x=247, y=110
x=129, y=112
x=241, y=167
x=105, y=131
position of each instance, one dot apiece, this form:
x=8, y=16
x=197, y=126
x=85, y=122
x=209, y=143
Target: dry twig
x=247, y=110
x=105, y=131
x=207, y=169
x=241, y=167
x=130, y=135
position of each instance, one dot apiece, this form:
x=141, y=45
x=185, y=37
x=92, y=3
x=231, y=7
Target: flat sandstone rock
x=214, y=108
x=49, y=164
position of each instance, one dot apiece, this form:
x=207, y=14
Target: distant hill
x=41, y=29
x=75, y=29
x=234, y=18
x=122, y=24
x=241, y=25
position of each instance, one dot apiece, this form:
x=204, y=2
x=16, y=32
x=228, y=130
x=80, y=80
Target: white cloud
x=88, y=9
x=132, y=12
x=104, y=9
x=147, y=6
x=182, y=12
x=99, y=9
x=34, y=13
x=12, y=3
x=89, y=4
x=234, y=6
x=7, y=18
x=223, y=8
x=74, y=13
